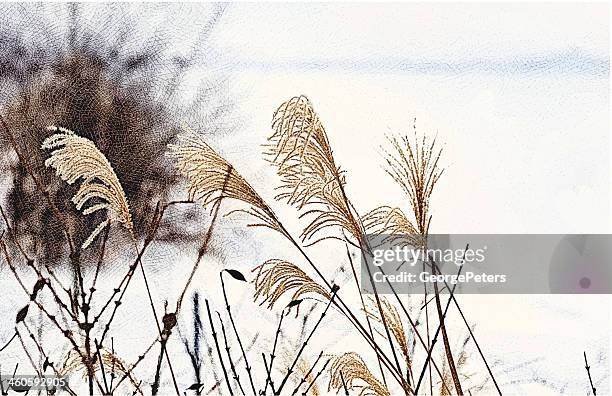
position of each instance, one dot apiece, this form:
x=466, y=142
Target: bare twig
x=588, y=370
x=273, y=354
x=305, y=376
x=229, y=312
x=268, y=373
x=348, y=254
x=314, y=380
x=214, y=334
x=98, y=348
x=229, y=356
x=297, y=356
x=435, y=337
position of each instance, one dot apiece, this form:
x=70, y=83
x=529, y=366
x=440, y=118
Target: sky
x=517, y=94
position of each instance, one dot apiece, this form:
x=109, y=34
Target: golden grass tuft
x=414, y=166
x=75, y=157
x=276, y=277
x=211, y=177
x=395, y=325
x=73, y=363
x=300, y=150
x=356, y=374
x=394, y=225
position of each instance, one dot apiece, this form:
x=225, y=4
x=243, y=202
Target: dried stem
x=129, y=371
x=273, y=354
x=346, y=392
x=268, y=373
x=229, y=313
x=305, y=376
x=214, y=334
x=476, y=343
x=106, y=388
x=229, y=356
x=305, y=343
x=348, y=253
x=435, y=337
x=588, y=370
x=413, y=324
x=314, y=380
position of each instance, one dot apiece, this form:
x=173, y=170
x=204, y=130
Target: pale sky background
x=517, y=93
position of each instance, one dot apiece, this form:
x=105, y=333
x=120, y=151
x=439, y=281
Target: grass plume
x=414, y=166
x=300, y=150
x=276, y=277
x=350, y=370
x=75, y=157
x=211, y=177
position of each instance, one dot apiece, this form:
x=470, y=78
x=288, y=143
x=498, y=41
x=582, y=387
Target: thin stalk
x=346, y=392
x=307, y=374
x=164, y=339
x=477, y=345
x=588, y=370
x=273, y=355
x=297, y=356
x=92, y=289
x=160, y=359
x=106, y=389
x=229, y=356
x=8, y=342
x=229, y=312
x=429, y=337
x=418, y=334
x=140, y=358
x=163, y=350
x=384, y=323
x=112, y=374
x=314, y=380
x=447, y=348
x=214, y=334
x=348, y=253
x=433, y=343
x=263, y=356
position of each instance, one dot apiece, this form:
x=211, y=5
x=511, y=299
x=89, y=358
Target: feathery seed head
x=300, y=150
x=75, y=157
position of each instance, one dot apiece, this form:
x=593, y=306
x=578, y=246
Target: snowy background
x=517, y=93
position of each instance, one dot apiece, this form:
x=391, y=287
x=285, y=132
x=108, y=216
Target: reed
x=309, y=180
